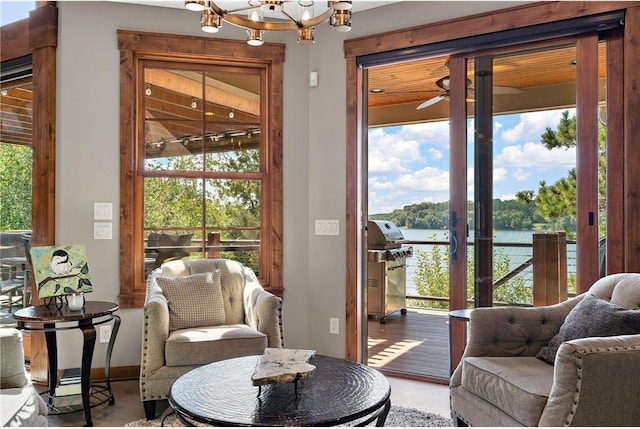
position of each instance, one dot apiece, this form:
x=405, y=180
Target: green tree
x=15, y=186
x=432, y=278
x=176, y=202
x=557, y=202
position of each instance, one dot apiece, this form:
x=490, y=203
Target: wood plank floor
x=415, y=344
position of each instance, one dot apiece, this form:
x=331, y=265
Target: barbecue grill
x=386, y=269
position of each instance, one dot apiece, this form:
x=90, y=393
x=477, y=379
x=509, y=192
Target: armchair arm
x=595, y=383
x=263, y=312
x=155, y=331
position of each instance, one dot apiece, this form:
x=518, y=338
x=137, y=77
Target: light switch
x=102, y=211
x=327, y=227
x=102, y=231
x=313, y=79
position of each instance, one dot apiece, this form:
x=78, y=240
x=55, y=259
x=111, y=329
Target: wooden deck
x=414, y=345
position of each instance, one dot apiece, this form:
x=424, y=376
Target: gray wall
x=314, y=156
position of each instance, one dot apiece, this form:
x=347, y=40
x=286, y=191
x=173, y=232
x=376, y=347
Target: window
x=200, y=171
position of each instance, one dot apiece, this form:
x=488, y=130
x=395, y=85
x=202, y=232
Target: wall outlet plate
x=105, y=333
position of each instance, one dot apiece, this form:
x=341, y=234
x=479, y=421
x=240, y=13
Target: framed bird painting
x=61, y=270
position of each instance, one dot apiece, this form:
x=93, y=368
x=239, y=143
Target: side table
x=462, y=315
x=55, y=319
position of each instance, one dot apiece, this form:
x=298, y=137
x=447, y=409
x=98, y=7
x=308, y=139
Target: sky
x=409, y=164
x=12, y=11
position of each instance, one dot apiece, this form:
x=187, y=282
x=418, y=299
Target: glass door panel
x=523, y=149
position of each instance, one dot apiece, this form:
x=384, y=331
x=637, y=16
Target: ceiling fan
x=444, y=82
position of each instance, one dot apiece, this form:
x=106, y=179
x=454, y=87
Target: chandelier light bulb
x=4, y=92
x=195, y=5
x=194, y=103
x=306, y=10
x=210, y=22
x=255, y=37
x=256, y=15
x=232, y=114
x=147, y=89
x=341, y=21
x=306, y=36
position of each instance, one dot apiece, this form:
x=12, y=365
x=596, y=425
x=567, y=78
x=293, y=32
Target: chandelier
x=268, y=15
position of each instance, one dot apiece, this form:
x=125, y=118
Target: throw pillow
x=592, y=317
x=172, y=246
x=194, y=300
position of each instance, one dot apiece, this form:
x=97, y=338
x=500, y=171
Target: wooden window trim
x=135, y=46
x=38, y=36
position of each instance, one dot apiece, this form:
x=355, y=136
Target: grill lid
x=383, y=234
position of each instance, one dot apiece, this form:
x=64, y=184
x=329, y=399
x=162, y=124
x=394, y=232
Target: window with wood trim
x=200, y=156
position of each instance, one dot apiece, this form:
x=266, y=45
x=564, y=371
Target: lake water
x=516, y=255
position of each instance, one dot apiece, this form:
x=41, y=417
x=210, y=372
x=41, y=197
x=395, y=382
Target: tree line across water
x=507, y=215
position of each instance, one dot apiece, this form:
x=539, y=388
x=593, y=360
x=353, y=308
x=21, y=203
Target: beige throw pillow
x=194, y=300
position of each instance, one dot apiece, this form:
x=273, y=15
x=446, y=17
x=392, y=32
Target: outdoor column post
x=546, y=269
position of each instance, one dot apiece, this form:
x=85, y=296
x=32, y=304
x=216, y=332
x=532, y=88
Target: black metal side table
x=55, y=319
x=462, y=315
x=337, y=392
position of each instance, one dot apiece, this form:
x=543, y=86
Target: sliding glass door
x=535, y=187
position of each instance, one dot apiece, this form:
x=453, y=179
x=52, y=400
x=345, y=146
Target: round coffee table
x=338, y=391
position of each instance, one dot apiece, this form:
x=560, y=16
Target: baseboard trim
x=117, y=373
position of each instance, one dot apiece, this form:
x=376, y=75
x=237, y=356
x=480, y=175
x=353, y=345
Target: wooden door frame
x=517, y=17
x=38, y=36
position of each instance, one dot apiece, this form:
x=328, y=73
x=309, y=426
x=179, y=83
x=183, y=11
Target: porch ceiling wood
x=539, y=74
x=405, y=86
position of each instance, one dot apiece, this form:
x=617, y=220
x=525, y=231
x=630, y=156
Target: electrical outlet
x=334, y=325
x=105, y=333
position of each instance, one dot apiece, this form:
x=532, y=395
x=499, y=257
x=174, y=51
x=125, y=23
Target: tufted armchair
x=250, y=321
x=594, y=380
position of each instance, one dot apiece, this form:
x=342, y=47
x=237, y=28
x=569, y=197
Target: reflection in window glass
x=202, y=162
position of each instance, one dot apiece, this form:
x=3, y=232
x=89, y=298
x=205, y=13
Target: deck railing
x=546, y=265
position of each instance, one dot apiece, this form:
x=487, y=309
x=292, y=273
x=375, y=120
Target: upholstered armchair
x=576, y=363
x=201, y=311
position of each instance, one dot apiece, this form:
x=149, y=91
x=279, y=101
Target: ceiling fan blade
x=430, y=102
x=506, y=90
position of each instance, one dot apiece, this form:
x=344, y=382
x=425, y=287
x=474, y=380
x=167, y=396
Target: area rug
x=398, y=417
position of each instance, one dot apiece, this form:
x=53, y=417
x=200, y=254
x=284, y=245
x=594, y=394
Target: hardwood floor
x=415, y=344
x=127, y=408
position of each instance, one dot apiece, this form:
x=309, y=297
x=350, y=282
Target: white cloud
x=435, y=154
x=499, y=174
x=532, y=125
x=520, y=175
x=390, y=153
x=534, y=155
x=507, y=196
x=432, y=133
x=428, y=184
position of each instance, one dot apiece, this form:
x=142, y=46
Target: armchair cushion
x=213, y=343
x=194, y=300
x=12, y=371
x=508, y=383
x=592, y=317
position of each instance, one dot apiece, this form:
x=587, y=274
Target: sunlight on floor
x=390, y=353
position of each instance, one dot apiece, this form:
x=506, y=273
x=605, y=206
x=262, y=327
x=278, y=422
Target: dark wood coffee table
x=339, y=391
